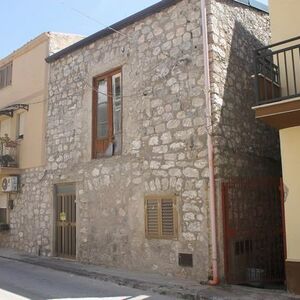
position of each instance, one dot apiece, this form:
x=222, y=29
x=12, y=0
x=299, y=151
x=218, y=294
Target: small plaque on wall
x=62, y=216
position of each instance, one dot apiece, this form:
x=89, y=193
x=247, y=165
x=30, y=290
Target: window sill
x=106, y=157
x=164, y=238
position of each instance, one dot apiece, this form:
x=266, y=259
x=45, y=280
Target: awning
x=9, y=110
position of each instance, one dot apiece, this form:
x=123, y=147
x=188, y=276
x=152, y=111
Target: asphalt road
x=21, y=281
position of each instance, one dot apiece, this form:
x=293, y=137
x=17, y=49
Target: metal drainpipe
x=212, y=198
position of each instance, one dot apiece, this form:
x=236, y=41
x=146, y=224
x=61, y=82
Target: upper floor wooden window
x=161, y=217
x=5, y=75
x=107, y=114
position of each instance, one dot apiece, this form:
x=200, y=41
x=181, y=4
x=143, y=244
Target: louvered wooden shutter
x=160, y=217
x=167, y=217
x=152, y=218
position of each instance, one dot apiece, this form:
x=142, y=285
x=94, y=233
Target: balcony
x=277, y=75
x=9, y=157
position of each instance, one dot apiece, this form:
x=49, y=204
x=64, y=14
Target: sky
x=24, y=20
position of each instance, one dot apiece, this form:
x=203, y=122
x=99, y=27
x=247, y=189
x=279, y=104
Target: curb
x=176, y=291
x=167, y=290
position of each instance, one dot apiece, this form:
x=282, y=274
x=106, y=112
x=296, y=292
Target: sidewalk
x=182, y=289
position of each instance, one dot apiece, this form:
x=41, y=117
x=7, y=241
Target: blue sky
x=25, y=20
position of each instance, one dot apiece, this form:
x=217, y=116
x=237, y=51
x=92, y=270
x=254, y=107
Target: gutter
x=212, y=198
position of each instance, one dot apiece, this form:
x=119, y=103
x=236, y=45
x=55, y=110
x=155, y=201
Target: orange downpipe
x=212, y=199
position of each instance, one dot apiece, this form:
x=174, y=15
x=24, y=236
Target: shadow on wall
x=245, y=147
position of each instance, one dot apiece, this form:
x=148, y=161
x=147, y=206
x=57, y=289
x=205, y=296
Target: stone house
x=127, y=177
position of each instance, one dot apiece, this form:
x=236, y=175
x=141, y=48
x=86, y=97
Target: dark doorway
x=254, y=235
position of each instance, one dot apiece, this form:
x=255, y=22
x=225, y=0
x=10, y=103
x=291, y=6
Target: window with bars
x=107, y=114
x=161, y=217
x=5, y=75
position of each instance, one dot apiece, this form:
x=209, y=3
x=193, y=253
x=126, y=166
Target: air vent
x=185, y=260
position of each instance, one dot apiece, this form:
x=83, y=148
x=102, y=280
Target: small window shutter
x=21, y=124
x=9, y=74
x=161, y=217
x=2, y=71
x=152, y=218
x=167, y=217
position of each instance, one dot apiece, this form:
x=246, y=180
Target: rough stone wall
x=164, y=142
x=164, y=138
x=58, y=41
x=31, y=215
x=243, y=146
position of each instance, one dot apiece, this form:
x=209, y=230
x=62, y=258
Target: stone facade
x=31, y=216
x=164, y=137
x=241, y=146
x=164, y=146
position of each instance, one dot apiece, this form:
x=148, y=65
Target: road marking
x=10, y=296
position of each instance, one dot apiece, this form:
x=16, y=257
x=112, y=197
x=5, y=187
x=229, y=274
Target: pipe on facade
x=212, y=199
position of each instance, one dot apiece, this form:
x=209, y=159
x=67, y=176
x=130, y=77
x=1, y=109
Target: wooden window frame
x=97, y=152
x=6, y=75
x=159, y=199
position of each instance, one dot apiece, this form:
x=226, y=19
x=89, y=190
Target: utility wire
x=93, y=19
x=105, y=25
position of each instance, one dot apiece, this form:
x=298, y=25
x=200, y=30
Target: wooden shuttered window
x=6, y=75
x=107, y=114
x=161, y=217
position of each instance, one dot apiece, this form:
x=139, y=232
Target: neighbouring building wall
x=58, y=41
x=32, y=210
x=290, y=149
x=284, y=19
x=285, y=25
x=244, y=148
x=28, y=87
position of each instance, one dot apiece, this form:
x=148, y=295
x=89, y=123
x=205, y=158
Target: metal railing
x=277, y=71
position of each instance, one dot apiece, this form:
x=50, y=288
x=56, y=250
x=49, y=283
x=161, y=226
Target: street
x=21, y=281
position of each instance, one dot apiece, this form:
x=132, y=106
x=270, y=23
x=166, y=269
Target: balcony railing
x=278, y=71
